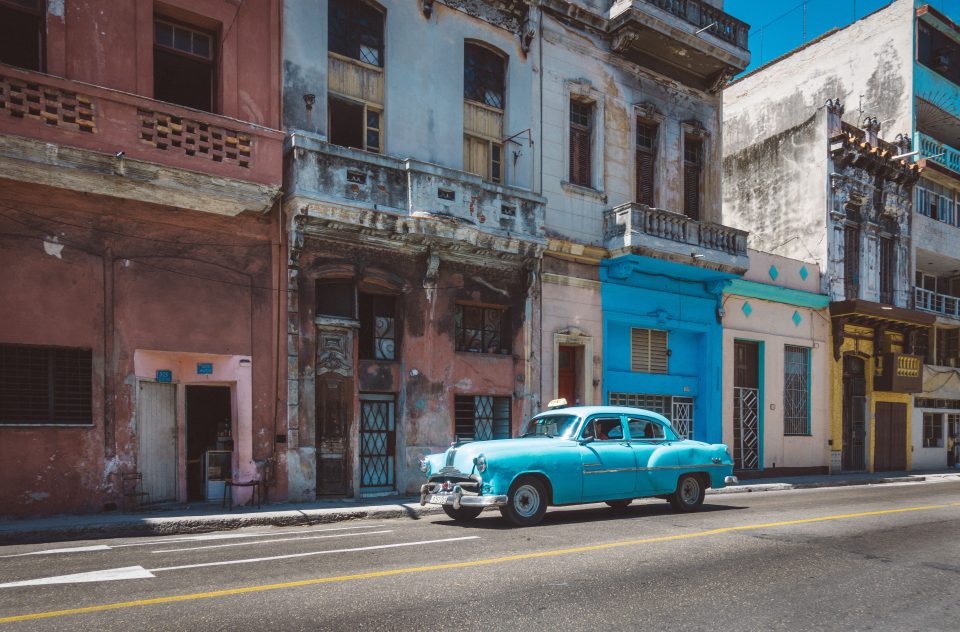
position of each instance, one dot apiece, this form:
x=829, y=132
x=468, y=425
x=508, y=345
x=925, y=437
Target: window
x=336, y=298
x=648, y=350
x=888, y=268
x=796, y=390
x=935, y=201
x=679, y=410
x=948, y=347
x=953, y=425
x=484, y=74
x=22, y=33
x=354, y=124
x=603, y=429
x=45, y=385
x=932, y=430
x=481, y=418
x=938, y=52
x=356, y=31
x=646, y=160
x=378, y=327
x=183, y=68
x=482, y=329
x=692, y=169
x=645, y=429
x=851, y=262
x=581, y=137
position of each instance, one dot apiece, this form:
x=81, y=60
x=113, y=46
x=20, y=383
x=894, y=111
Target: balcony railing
x=64, y=112
x=938, y=152
x=929, y=301
x=640, y=226
x=700, y=14
x=899, y=373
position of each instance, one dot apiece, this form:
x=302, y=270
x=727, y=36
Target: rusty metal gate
x=377, y=443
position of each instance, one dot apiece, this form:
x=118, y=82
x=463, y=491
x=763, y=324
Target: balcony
x=410, y=201
x=935, y=151
x=55, y=131
x=663, y=35
x=899, y=373
x=640, y=229
x=934, y=303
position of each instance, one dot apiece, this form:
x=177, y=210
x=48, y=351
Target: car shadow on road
x=558, y=516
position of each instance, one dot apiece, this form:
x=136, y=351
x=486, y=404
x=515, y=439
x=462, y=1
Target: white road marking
x=309, y=537
x=72, y=549
x=232, y=536
x=311, y=553
x=110, y=574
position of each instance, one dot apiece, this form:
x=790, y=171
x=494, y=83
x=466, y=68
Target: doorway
x=746, y=405
x=209, y=430
x=157, y=438
x=378, y=443
x=567, y=374
x=890, y=447
x=854, y=414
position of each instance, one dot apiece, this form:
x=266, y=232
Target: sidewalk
x=206, y=517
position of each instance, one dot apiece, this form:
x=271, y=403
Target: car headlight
x=480, y=462
x=424, y=465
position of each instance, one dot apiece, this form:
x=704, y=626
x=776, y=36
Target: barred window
x=482, y=329
x=932, y=430
x=796, y=390
x=678, y=410
x=378, y=327
x=648, y=350
x=483, y=75
x=45, y=385
x=356, y=31
x=479, y=418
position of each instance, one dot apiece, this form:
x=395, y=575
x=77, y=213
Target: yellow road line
x=473, y=563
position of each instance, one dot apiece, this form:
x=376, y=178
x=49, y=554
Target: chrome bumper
x=731, y=480
x=458, y=498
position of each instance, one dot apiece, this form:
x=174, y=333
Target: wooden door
x=157, y=435
x=567, y=374
x=334, y=411
x=890, y=446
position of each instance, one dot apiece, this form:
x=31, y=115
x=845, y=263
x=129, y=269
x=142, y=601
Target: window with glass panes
x=481, y=329
x=484, y=79
x=935, y=201
x=183, y=65
x=932, y=430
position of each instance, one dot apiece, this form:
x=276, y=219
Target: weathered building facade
x=140, y=162
x=412, y=232
x=858, y=226
x=776, y=368
x=637, y=260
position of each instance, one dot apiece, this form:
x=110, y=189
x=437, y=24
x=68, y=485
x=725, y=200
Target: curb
x=773, y=487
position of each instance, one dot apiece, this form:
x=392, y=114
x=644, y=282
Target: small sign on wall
x=204, y=368
x=836, y=461
x=164, y=376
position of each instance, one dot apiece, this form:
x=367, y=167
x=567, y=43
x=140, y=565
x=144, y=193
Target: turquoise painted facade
x=686, y=301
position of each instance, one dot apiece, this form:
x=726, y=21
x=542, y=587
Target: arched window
x=484, y=98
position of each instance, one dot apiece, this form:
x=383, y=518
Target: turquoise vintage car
x=581, y=454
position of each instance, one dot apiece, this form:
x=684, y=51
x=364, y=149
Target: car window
x=603, y=429
x=645, y=429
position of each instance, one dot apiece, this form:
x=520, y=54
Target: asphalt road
x=880, y=557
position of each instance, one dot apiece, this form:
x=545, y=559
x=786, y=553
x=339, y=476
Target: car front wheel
x=526, y=502
x=689, y=494
x=463, y=514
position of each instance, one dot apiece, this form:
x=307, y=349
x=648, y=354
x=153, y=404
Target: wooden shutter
x=645, y=162
x=580, y=156
x=691, y=191
x=476, y=156
x=648, y=350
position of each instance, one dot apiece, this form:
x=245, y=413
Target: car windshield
x=551, y=426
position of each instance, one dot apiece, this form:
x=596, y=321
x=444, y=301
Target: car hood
x=461, y=456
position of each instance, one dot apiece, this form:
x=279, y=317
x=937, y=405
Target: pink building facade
x=140, y=170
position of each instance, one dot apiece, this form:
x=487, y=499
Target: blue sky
x=777, y=26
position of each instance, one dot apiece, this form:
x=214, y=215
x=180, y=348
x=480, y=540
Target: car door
x=656, y=463
x=609, y=465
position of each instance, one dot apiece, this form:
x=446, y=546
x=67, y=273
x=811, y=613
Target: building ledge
x=788, y=296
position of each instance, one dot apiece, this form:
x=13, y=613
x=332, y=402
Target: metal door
x=377, y=442
x=854, y=414
x=746, y=405
x=157, y=435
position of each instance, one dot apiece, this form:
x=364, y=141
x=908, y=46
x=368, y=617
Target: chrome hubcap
x=526, y=501
x=690, y=491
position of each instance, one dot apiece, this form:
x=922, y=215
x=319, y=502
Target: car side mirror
x=586, y=440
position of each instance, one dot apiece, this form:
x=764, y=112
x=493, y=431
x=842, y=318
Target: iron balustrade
x=934, y=150
x=700, y=14
x=929, y=301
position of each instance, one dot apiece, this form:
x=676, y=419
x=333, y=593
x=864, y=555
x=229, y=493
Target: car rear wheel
x=463, y=514
x=689, y=494
x=620, y=504
x=526, y=502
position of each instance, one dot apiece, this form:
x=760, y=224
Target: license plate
x=439, y=499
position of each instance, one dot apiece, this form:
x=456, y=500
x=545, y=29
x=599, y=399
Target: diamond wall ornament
x=796, y=318
x=804, y=273
x=746, y=309
x=774, y=273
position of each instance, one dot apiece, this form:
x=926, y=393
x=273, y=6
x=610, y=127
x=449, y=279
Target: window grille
x=378, y=327
x=482, y=329
x=932, y=430
x=646, y=159
x=581, y=137
x=45, y=385
x=692, y=168
x=356, y=31
x=480, y=418
x=648, y=350
x=483, y=75
x=678, y=410
x=796, y=390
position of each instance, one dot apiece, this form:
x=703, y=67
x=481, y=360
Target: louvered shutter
x=645, y=177
x=691, y=191
x=580, y=156
x=648, y=350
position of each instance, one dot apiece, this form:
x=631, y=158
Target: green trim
x=799, y=298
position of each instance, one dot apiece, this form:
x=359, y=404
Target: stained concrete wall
x=423, y=81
